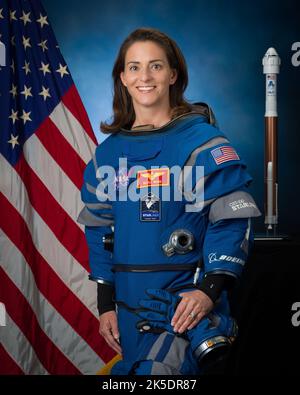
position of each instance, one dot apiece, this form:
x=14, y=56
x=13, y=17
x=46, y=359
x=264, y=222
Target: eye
x=133, y=67
x=156, y=66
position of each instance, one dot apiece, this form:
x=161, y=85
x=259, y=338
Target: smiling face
x=148, y=76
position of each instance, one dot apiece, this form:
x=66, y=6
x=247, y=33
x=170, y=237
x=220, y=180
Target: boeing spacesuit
x=175, y=201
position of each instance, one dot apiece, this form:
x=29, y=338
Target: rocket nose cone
x=271, y=52
x=271, y=61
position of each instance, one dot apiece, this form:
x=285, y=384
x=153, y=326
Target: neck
x=151, y=116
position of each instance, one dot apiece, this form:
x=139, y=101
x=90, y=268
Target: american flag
x=45, y=142
x=224, y=154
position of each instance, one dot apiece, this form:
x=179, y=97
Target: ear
x=123, y=78
x=173, y=77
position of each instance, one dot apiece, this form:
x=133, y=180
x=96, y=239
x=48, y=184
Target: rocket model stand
x=271, y=63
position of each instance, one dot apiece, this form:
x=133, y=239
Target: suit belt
x=154, y=268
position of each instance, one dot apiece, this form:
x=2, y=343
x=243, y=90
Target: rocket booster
x=271, y=63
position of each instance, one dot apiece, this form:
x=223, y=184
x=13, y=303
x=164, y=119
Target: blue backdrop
x=223, y=43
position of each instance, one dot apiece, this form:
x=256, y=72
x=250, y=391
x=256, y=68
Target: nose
x=145, y=74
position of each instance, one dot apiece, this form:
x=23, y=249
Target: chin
x=147, y=103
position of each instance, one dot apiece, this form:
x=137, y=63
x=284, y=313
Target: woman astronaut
x=167, y=217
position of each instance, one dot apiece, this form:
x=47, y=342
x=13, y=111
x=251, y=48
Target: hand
x=193, y=301
x=109, y=330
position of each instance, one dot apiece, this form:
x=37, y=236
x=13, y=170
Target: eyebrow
x=151, y=61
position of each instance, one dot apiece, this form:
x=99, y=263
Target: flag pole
x=2, y=54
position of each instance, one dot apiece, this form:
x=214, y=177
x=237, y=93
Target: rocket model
x=271, y=63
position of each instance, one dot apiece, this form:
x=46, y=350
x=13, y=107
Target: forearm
x=105, y=298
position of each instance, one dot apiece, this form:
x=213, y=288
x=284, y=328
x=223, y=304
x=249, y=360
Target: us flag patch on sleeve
x=224, y=154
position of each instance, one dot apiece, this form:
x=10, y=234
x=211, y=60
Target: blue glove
x=158, y=310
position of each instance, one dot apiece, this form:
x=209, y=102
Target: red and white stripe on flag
x=51, y=324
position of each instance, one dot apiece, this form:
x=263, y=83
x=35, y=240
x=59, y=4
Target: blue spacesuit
x=178, y=208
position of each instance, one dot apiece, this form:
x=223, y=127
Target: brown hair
x=122, y=104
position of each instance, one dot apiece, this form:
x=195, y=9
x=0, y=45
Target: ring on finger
x=192, y=315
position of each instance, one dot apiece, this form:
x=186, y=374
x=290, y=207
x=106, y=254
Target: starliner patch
x=224, y=154
x=150, y=208
x=153, y=177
